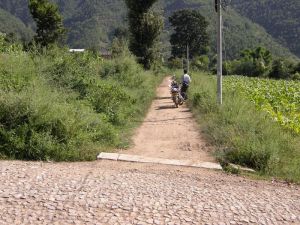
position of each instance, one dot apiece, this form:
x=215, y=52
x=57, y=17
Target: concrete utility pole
x=220, y=53
x=187, y=58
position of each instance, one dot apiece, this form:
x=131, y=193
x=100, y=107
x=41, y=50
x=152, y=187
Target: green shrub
x=115, y=105
x=203, y=101
x=6, y=47
x=201, y=63
x=38, y=124
x=228, y=68
x=175, y=63
x=61, y=106
x=281, y=69
x=16, y=72
x=243, y=135
x=296, y=76
x=125, y=70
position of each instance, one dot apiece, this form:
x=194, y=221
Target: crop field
x=280, y=99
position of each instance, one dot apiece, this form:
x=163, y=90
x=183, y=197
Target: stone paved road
x=121, y=193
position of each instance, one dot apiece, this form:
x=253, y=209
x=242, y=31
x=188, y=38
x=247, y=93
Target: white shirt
x=186, y=79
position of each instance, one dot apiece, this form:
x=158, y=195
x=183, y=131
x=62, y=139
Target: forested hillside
x=280, y=18
x=92, y=23
x=12, y=25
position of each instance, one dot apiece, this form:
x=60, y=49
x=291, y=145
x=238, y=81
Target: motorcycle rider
x=174, y=84
x=186, y=80
x=175, y=92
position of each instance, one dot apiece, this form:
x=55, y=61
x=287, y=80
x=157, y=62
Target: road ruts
x=121, y=193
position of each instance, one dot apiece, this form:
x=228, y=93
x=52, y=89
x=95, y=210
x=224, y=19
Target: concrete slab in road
x=108, y=156
x=142, y=159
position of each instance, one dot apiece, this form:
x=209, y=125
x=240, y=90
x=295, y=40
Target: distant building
x=76, y=50
x=104, y=53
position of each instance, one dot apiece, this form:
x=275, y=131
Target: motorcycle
x=176, y=94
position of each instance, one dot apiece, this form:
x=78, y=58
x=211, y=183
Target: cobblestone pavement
x=121, y=193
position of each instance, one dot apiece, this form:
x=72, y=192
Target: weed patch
x=242, y=134
x=61, y=106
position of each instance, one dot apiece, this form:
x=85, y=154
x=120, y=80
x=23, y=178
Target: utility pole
x=220, y=56
x=187, y=58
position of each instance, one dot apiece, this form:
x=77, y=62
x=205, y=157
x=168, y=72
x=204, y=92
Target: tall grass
x=242, y=134
x=61, y=106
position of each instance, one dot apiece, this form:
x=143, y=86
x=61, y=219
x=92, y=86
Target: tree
x=119, y=45
x=258, y=54
x=121, y=33
x=189, y=29
x=145, y=27
x=201, y=63
x=281, y=69
x=256, y=62
x=297, y=68
x=49, y=23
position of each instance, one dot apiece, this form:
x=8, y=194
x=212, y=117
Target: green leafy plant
x=190, y=30
x=145, y=27
x=57, y=105
x=49, y=22
x=257, y=125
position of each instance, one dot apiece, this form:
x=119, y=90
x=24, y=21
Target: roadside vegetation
x=56, y=105
x=280, y=99
x=259, y=124
x=259, y=62
x=256, y=62
x=242, y=130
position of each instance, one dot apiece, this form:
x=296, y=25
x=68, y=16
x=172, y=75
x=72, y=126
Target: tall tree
x=49, y=23
x=145, y=27
x=189, y=29
x=258, y=61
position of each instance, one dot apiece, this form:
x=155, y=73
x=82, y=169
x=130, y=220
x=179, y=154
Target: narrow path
x=169, y=132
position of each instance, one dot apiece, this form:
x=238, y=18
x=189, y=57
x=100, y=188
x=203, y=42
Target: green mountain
x=91, y=23
x=280, y=18
x=10, y=24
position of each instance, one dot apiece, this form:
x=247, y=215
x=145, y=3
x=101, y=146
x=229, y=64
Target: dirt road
x=119, y=193
x=169, y=132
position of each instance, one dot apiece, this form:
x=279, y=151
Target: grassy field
x=61, y=106
x=243, y=131
x=278, y=98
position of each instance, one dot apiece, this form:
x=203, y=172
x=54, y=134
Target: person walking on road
x=186, y=80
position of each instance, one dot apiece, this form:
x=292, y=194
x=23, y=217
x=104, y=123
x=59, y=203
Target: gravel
x=122, y=193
